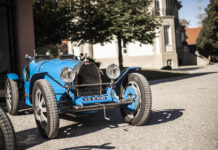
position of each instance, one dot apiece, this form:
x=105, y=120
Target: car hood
x=53, y=67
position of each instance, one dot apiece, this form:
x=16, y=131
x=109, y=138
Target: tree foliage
x=52, y=21
x=207, y=41
x=201, y=14
x=185, y=23
x=94, y=21
x=99, y=21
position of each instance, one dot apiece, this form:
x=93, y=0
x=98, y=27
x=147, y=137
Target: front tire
x=138, y=112
x=7, y=136
x=45, y=109
x=12, y=96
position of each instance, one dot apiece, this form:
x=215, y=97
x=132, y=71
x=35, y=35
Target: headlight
x=113, y=71
x=67, y=75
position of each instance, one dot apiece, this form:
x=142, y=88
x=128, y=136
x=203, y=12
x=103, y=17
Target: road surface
x=184, y=116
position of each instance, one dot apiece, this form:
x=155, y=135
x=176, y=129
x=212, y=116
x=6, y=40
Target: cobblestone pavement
x=184, y=116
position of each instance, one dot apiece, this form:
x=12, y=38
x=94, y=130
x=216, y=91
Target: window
x=167, y=35
x=183, y=37
x=157, y=7
x=124, y=48
x=169, y=62
x=168, y=4
x=125, y=51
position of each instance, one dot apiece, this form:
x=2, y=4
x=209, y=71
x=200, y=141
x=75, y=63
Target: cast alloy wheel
x=9, y=96
x=45, y=109
x=40, y=108
x=12, y=96
x=138, y=112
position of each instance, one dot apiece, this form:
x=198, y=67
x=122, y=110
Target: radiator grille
x=88, y=73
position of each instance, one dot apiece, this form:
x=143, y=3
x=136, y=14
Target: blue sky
x=190, y=11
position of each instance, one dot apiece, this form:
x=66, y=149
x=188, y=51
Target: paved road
x=185, y=116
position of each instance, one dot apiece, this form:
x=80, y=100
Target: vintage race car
x=66, y=84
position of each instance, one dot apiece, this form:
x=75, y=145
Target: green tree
x=183, y=22
x=52, y=21
x=94, y=21
x=207, y=41
x=99, y=21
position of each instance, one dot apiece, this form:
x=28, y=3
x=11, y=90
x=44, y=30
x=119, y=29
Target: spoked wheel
x=7, y=136
x=12, y=96
x=137, y=113
x=45, y=109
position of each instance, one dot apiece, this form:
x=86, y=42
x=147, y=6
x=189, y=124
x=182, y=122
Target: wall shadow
x=29, y=138
x=188, y=69
x=153, y=82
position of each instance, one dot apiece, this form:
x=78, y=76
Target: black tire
x=140, y=116
x=12, y=96
x=7, y=136
x=45, y=107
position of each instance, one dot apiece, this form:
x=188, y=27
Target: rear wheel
x=7, y=136
x=45, y=109
x=12, y=96
x=137, y=113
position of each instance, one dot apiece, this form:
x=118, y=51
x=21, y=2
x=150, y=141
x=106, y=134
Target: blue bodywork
x=12, y=76
x=50, y=70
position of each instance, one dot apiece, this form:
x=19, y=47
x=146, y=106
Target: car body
x=68, y=85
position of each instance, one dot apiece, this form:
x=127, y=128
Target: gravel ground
x=184, y=116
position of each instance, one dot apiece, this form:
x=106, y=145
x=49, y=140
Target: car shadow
x=90, y=147
x=163, y=116
x=90, y=123
x=80, y=126
x=23, y=108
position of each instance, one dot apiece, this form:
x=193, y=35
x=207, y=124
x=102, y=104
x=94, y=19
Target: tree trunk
x=120, y=55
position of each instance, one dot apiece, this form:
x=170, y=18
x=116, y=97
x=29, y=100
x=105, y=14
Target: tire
x=45, y=109
x=138, y=112
x=7, y=136
x=12, y=96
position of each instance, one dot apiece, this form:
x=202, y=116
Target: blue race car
x=67, y=85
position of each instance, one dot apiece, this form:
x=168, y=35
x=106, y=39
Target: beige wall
x=24, y=31
x=133, y=61
x=166, y=55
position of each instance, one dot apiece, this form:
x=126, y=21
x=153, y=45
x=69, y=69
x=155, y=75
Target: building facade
x=16, y=35
x=163, y=51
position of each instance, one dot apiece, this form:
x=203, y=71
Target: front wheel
x=137, y=87
x=45, y=109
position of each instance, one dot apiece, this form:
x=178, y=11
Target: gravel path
x=184, y=116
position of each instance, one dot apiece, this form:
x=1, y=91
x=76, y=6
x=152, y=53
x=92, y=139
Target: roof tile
x=192, y=35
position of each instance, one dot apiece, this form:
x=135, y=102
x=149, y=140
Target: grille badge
x=94, y=98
